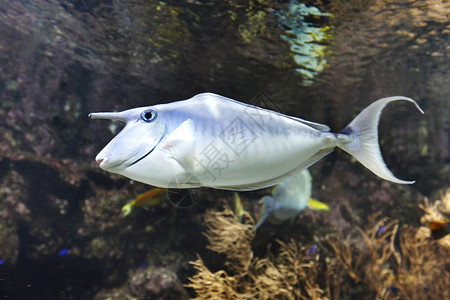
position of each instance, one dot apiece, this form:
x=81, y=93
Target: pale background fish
x=287, y=199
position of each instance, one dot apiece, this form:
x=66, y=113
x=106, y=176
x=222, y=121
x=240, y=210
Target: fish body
x=288, y=199
x=63, y=252
x=291, y=196
x=439, y=229
x=213, y=141
x=152, y=197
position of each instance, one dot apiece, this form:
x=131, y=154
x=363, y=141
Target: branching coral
x=291, y=274
x=228, y=236
x=438, y=211
x=371, y=263
x=395, y=263
x=218, y=285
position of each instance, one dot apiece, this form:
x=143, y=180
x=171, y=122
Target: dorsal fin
x=314, y=125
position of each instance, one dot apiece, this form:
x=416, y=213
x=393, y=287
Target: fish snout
x=101, y=160
x=109, y=162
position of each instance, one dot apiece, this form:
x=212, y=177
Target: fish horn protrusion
x=113, y=116
x=360, y=138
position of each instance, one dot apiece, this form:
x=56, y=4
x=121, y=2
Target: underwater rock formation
x=147, y=283
x=9, y=240
x=70, y=223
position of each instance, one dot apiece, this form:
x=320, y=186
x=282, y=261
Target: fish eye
x=148, y=115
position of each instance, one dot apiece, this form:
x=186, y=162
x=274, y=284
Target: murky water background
x=319, y=60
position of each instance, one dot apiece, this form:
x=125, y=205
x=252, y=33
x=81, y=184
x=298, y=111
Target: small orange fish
x=150, y=198
x=439, y=229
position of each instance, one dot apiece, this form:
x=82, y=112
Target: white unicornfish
x=213, y=141
x=288, y=199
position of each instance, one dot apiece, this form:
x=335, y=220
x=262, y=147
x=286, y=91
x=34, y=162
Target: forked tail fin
x=360, y=138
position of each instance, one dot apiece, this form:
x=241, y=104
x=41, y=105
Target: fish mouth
x=151, y=150
x=104, y=160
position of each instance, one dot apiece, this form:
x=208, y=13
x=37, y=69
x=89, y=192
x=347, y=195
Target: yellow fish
x=150, y=198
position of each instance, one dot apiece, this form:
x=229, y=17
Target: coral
x=228, y=236
x=291, y=274
x=377, y=249
x=386, y=259
x=438, y=211
x=393, y=261
x=216, y=285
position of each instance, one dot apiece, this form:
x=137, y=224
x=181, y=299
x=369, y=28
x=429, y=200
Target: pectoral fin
x=180, y=144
